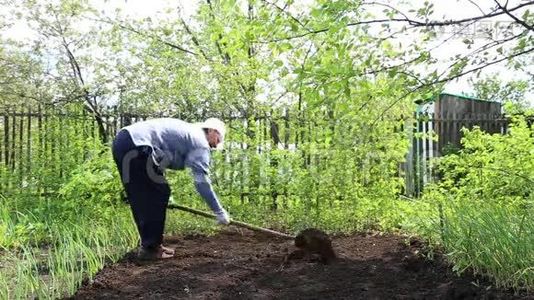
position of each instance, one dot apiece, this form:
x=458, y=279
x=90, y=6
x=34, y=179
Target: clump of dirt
x=315, y=241
x=248, y=265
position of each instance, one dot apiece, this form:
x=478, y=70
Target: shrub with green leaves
x=484, y=205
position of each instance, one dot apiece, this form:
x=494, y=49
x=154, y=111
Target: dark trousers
x=146, y=188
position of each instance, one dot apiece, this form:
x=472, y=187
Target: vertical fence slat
x=229, y=182
x=20, y=154
x=61, y=145
x=46, y=128
x=85, y=134
x=13, y=139
x=115, y=122
x=242, y=164
x=426, y=147
x=6, y=139
x=52, y=133
x=2, y=136
x=419, y=153
x=29, y=142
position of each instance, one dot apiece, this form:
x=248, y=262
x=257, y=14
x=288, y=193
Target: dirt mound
x=245, y=265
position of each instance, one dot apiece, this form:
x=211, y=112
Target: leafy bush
x=93, y=187
x=484, y=203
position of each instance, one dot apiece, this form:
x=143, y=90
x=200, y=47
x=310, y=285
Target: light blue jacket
x=177, y=144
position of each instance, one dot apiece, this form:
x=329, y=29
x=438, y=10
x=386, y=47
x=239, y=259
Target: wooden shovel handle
x=232, y=222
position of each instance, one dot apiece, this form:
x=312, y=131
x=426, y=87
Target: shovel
x=310, y=240
x=232, y=222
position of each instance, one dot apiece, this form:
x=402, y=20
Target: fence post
x=6, y=139
x=61, y=146
x=228, y=156
x=20, y=163
x=273, y=142
x=41, y=143
x=1, y=153
x=13, y=138
x=288, y=138
x=28, y=142
x=1, y=139
x=115, y=123
x=409, y=177
x=241, y=162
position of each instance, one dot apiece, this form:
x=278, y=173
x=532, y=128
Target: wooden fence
x=45, y=137
x=29, y=136
x=436, y=135
x=32, y=139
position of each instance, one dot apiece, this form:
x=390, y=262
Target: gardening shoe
x=223, y=218
x=167, y=250
x=153, y=254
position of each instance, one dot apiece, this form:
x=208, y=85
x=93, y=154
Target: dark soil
x=244, y=265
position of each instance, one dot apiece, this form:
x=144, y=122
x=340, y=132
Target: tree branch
x=477, y=6
x=521, y=22
x=195, y=40
x=443, y=80
x=224, y=56
x=483, y=66
x=282, y=10
x=415, y=23
x=452, y=22
x=486, y=47
x=157, y=38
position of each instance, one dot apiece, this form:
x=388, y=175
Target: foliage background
x=319, y=107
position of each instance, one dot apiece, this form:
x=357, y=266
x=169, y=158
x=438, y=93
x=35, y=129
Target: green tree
x=79, y=67
x=513, y=93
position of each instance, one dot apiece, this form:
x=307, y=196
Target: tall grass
x=483, y=206
x=49, y=245
x=77, y=250
x=495, y=241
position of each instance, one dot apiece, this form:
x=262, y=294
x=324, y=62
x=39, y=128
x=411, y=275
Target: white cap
x=214, y=123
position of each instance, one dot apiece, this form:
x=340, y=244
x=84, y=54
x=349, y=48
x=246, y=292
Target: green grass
x=495, y=241
x=490, y=240
x=54, y=264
